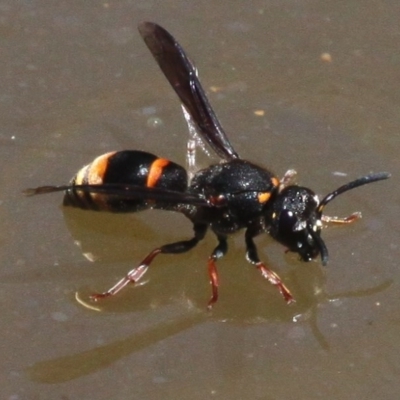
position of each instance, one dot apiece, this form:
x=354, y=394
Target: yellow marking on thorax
x=275, y=181
x=264, y=197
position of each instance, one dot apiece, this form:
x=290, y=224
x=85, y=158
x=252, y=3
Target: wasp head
x=296, y=222
x=295, y=217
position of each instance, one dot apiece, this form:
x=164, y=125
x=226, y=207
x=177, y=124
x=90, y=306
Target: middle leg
x=218, y=252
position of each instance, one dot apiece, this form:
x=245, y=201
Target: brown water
x=76, y=81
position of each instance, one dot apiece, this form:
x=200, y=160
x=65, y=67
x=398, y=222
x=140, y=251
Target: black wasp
x=226, y=197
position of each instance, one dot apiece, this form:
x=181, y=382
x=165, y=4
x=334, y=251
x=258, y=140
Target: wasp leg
x=266, y=272
x=218, y=252
x=287, y=179
x=136, y=274
x=342, y=220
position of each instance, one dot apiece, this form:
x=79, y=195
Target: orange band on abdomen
x=155, y=171
x=98, y=168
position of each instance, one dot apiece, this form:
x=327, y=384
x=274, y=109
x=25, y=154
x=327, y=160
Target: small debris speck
x=215, y=89
x=338, y=173
x=59, y=316
x=151, y=110
x=154, y=122
x=326, y=57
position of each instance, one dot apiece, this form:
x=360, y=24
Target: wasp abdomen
x=130, y=167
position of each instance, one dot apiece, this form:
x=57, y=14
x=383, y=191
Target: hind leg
x=137, y=273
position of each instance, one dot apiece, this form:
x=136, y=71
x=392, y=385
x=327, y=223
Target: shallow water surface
x=307, y=85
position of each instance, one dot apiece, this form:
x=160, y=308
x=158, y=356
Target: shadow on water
x=183, y=302
x=74, y=366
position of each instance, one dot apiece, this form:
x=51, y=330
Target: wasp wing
x=127, y=192
x=182, y=75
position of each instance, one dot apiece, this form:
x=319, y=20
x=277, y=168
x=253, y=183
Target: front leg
x=341, y=220
x=266, y=272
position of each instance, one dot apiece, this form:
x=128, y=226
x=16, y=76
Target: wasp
x=226, y=197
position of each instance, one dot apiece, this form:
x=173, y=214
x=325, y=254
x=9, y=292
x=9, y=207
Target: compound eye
x=291, y=222
x=288, y=221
